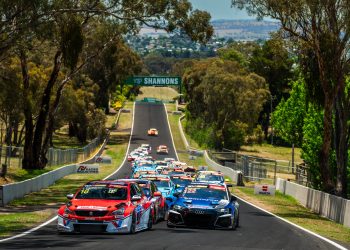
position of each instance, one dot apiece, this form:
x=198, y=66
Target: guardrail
x=326, y=205
x=17, y=190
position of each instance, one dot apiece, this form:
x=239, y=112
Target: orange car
x=152, y=131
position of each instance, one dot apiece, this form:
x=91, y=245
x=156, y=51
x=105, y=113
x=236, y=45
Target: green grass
x=43, y=204
x=272, y=152
x=161, y=93
x=17, y=222
x=287, y=207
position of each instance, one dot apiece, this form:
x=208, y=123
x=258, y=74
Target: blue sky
x=220, y=9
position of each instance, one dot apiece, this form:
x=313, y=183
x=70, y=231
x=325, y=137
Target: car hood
x=95, y=204
x=203, y=203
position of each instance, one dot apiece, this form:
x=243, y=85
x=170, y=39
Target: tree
x=322, y=30
x=272, y=61
x=224, y=95
x=288, y=117
x=61, y=31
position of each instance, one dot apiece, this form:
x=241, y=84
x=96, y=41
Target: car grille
x=90, y=228
x=200, y=218
x=88, y=213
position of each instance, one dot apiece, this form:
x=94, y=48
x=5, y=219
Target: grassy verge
x=180, y=147
x=287, y=207
x=37, y=207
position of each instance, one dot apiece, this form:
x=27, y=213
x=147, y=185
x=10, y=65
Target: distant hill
x=244, y=29
x=235, y=29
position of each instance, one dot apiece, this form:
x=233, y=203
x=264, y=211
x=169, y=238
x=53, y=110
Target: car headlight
x=223, y=210
x=119, y=211
x=179, y=208
x=67, y=212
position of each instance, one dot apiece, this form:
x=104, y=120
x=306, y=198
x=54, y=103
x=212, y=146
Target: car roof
x=109, y=182
x=143, y=181
x=156, y=176
x=208, y=172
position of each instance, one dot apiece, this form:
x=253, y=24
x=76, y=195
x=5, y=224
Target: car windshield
x=210, y=177
x=205, y=192
x=161, y=183
x=181, y=182
x=103, y=192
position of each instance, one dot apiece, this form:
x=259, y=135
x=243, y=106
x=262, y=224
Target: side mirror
x=233, y=198
x=229, y=185
x=136, y=198
x=70, y=196
x=157, y=194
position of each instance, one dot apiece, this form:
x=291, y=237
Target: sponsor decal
x=91, y=207
x=265, y=189
x=87, y=168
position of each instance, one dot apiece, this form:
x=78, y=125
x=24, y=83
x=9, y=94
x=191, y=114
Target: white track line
x=55, y=218
x=171, y=134
x=297, y=226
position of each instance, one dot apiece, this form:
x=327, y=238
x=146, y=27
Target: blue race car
x=164, y=185
x=204, y=205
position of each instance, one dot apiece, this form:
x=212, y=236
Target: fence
x=253, y=168
x=12, y=156
x=327, y=205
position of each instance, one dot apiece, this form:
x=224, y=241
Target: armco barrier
x=18, y=190
x=330, y=206
x=225, y=170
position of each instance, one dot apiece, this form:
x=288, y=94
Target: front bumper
x=97, y=226
x=200, y=218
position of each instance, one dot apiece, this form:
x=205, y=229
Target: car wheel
x=237, y=221
x=169, y=225
x=150, y=221
x=133, y=224
x=155, y=216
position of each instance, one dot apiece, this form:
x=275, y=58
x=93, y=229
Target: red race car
x=106, y=206
x=155, y=196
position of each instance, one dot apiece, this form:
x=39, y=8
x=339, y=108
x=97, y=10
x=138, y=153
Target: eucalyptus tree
x=322, y=30
x=61, y=32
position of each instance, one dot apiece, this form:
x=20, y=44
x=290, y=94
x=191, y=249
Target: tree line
x=61, y=60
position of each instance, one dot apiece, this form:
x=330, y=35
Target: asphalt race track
x=258, y=230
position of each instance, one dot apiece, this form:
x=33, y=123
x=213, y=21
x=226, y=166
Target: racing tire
x=155, y=216
x=235, y=223
x=133, y=224
x=170, y=226
x=150, y=221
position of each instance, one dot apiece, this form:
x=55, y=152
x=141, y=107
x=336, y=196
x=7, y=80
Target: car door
x=140, y=209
